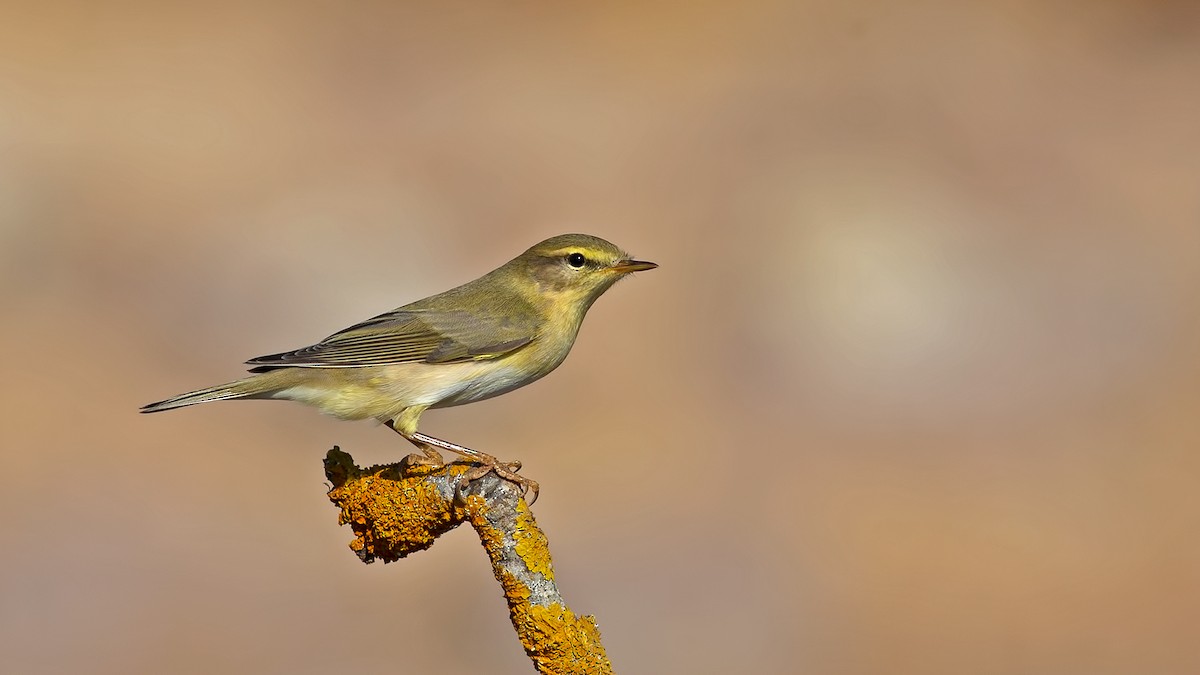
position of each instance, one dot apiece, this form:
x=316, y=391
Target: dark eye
x=576, y=260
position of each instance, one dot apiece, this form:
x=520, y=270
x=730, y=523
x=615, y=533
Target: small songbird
x=499, y=332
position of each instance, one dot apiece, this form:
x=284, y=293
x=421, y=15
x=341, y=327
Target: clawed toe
x=485, y=463
x=509, y=472
x=425, y=462
x=506, y=471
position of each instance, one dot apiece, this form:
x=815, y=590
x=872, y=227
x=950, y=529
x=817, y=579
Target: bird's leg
x=487, y=463
x=429, y=455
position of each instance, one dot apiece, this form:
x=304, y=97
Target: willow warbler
x=487, y=337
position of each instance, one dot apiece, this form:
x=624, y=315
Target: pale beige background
x=916, y=389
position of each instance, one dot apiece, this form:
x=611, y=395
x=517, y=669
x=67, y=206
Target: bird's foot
x=485, y=464
x=428, y=461
x=506, y=470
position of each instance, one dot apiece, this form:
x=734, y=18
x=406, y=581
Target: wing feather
x=408, y=336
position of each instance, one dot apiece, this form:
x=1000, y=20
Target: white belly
x=383, y=392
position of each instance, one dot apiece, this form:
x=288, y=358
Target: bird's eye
x=576, y=260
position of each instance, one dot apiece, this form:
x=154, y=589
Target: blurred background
x=915, y=390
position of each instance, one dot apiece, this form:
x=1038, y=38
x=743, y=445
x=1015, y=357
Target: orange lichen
x=475, y=510
x=393, y=510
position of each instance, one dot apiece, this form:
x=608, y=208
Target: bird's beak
x=627, y=266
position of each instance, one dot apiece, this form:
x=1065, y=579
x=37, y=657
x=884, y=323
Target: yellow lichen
x=555, y=638
x=531, y=544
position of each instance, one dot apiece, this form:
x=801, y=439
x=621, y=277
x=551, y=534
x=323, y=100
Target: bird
x=504, y=330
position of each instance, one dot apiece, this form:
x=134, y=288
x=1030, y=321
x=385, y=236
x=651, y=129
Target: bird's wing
x=411, y=335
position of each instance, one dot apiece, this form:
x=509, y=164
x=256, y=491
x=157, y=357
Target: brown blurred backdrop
x=916, y=389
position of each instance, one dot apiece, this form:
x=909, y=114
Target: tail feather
x=250, y=387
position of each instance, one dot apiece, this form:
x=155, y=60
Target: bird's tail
x=255, y=386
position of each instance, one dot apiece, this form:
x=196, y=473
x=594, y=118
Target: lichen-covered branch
x=396, y=510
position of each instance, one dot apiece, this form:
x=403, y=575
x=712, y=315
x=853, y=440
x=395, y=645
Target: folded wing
x=408, y=336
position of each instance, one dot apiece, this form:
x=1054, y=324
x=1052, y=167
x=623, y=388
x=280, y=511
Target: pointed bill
x=627, y=266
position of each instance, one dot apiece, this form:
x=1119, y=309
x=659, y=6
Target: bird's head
x=574, y=269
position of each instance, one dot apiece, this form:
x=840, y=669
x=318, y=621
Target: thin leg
x=429, y=455
x=481, y=457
